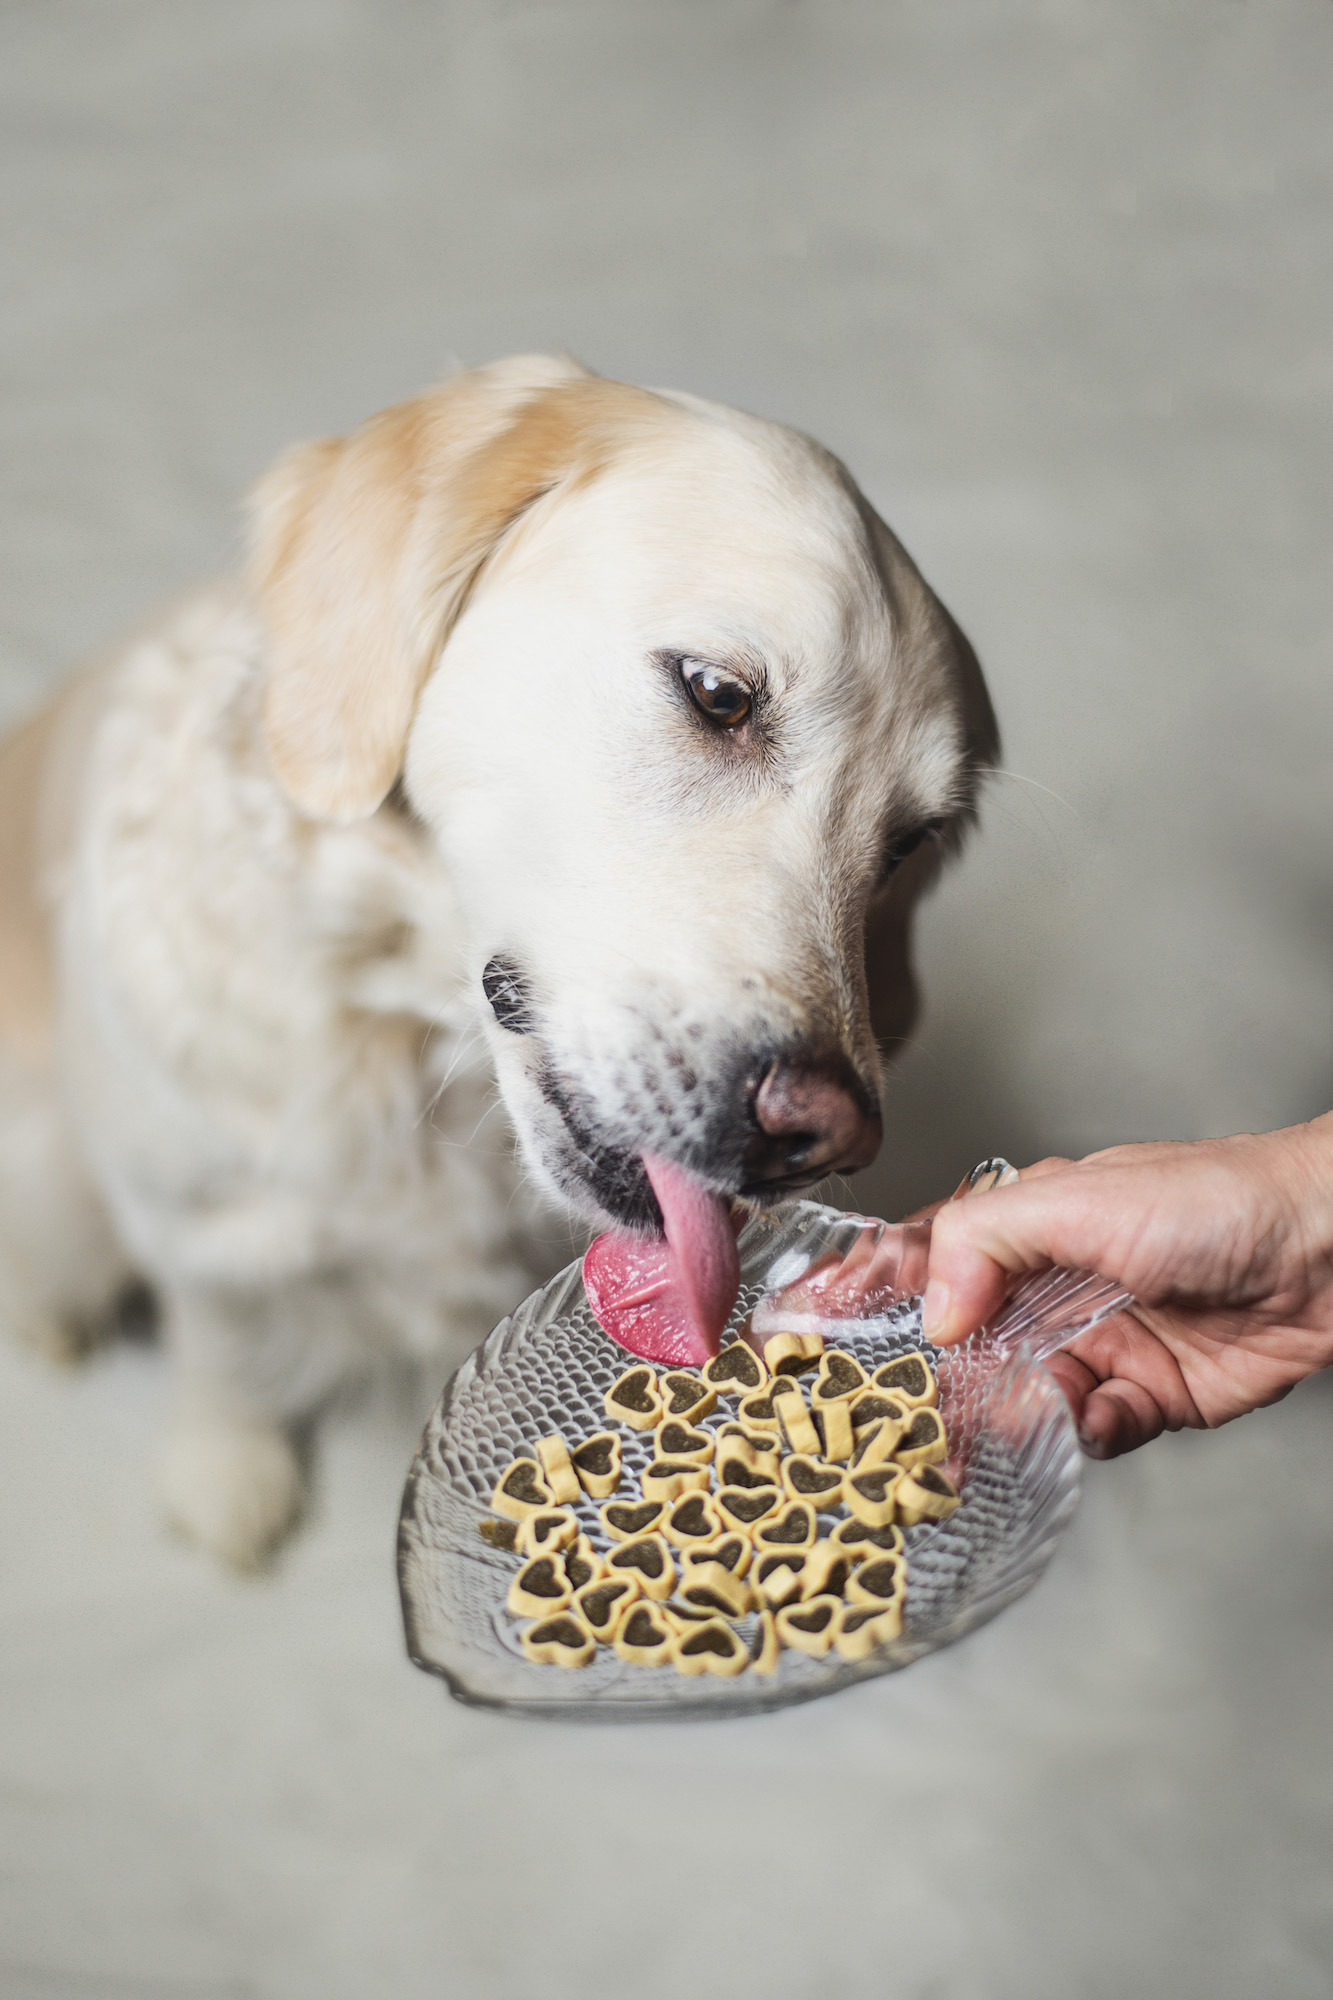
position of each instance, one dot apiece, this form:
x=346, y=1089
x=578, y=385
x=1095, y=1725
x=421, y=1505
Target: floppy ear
x=364, y=549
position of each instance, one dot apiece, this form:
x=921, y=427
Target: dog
x=587, y=740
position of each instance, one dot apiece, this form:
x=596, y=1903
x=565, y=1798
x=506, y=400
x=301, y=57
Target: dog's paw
x=234, y=1488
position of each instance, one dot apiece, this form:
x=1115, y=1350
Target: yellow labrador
x=587, y=738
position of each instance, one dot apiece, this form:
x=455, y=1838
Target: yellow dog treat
x=871, y=1495
x=767, y=1647
x=648, y=1561
x=833, y=1421
x=583, y=1564
x=881, y=1580
x=521, y=1491
x=691, y=1520
x=840, y=1377
x=667, y=1478
x=811, y=1627
x=558, y=1469
x=827, y=1567
x=862, y=1629
x=686, y=1396
x=711, y=1648
x=633, y=1399
x=645, y=1638
x=874, y=1406
x=910, y=1377
x=793, y=1528
x=597, y=1461
x=877, y=1442
x=807, y=1479
x=540, y=1586
x=793, y=1353
x=626, y=1520
x=604, y=1606
x=732, y=1550
x=736, y=1466
x=499, y=1534
x=744, y=1507
x=854, y=1534
x=564, y=1641
x=926, y=1494
x=736, y=1371
x=677, y=1440
x=710, y=1587
x=924, y=1441
x=795, y=1425
x=777, y=1577
x=757, y=1412
x=542, y=1534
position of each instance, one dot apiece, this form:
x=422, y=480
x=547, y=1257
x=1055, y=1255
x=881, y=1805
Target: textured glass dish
x=547, y=1367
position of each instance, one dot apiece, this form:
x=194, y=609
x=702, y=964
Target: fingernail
x=1092, y=1445
x=935, y=1309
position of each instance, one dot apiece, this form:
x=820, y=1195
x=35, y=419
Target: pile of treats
x=731, y=1516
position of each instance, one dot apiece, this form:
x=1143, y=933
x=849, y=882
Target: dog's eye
x=723, y=700
x=905, y=844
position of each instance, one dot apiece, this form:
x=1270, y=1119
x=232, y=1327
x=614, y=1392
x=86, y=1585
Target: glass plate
x=547, y=1367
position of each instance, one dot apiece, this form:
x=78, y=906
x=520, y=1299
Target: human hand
x=1226, y=1244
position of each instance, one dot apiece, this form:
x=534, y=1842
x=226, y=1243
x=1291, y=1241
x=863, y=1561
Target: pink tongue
x=668, y=1301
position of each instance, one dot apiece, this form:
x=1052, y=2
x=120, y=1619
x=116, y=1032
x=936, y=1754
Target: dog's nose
x=815, y=1117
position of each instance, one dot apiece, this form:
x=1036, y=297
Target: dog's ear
x=365, y=548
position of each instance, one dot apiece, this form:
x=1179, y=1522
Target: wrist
x=1302, y=1163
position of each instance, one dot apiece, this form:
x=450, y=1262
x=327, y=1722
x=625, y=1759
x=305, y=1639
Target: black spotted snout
x=811, y=1116
x=507, y=991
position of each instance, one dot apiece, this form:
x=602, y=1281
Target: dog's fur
x=252, y=868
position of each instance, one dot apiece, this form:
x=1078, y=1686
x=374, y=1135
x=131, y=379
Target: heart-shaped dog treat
x=910, y=1377
x=521, y=1491
x=827, y=1568
x=882, y=1580
x=736, y=1371
x=559, y=1642
x=795, y=1425
x=923, y=1442
x=583, y=1565
x=668, y=1478
x=926, y=1494
x=733, y=1550
x=806, y=1479
x=499, y=1534
x=741, y=1506
x=871, y=1495
x=645, y=1639
x=792, y=1353
x=755, y=1447
x=840, y=1378
x=757, y=1413
x=878, y=1406
x=877, y=1442
x=811, y=1627
x=542, y=1534
x=604, y=1606
x=710, y=1649
x=558, y=1469
x=766, y=1647
x=633, y=1399
x=598, y=1464
x=777, y=1577
x=626, y=1520
x=648, y=1561
x=686, y=1395
x=677, y=1440
x=833, y=1421
x=691, y=1520
x=710, y=1587
x=862, y=1629
x=738, y=1468
x=793, y=1528
x=540, y=1586
x=855, y=1534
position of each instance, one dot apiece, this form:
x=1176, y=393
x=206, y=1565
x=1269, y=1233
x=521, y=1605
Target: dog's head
x=688, y=727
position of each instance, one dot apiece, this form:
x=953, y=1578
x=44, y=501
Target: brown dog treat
x=810, y=1627
x=833, y=1421
x=807, y=1479
x=880, y=1580
x=910, y=1377
x=711, y=1648
x=793, y=1528
x=795, y=1425
x=927, y=1494
x=648, y=1561
x=667, y=1478
x=777, y=1577
x=854, y=1534
x=827, y=1567
x=583, y=1564
x=874, y=1406
x=757, y=1412
x=540, y=1586
x=733, y=1550
x=863, y=1629
x=564, y=1641
x=924, y=1441
x=521, y=1490
x=542, y=1534
x=645, y=1638
x=558, y=1470
x=793, y=1353
x=677, y=1440
x=871, y=1495
x=686, y=1396
x=626, y=1520
x=744, y=1507
x=840, y=1377
x=734, y=1468
x=736, y=1371
x=499, y=1534
x=766, y=1648
x=710, y=1587
x=633, y=1399
x=877, y=1442
x=598, y=1463
x=604, y=1606
x=691, y=1520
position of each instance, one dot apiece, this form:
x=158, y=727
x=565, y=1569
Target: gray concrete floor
x=1056, y=280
